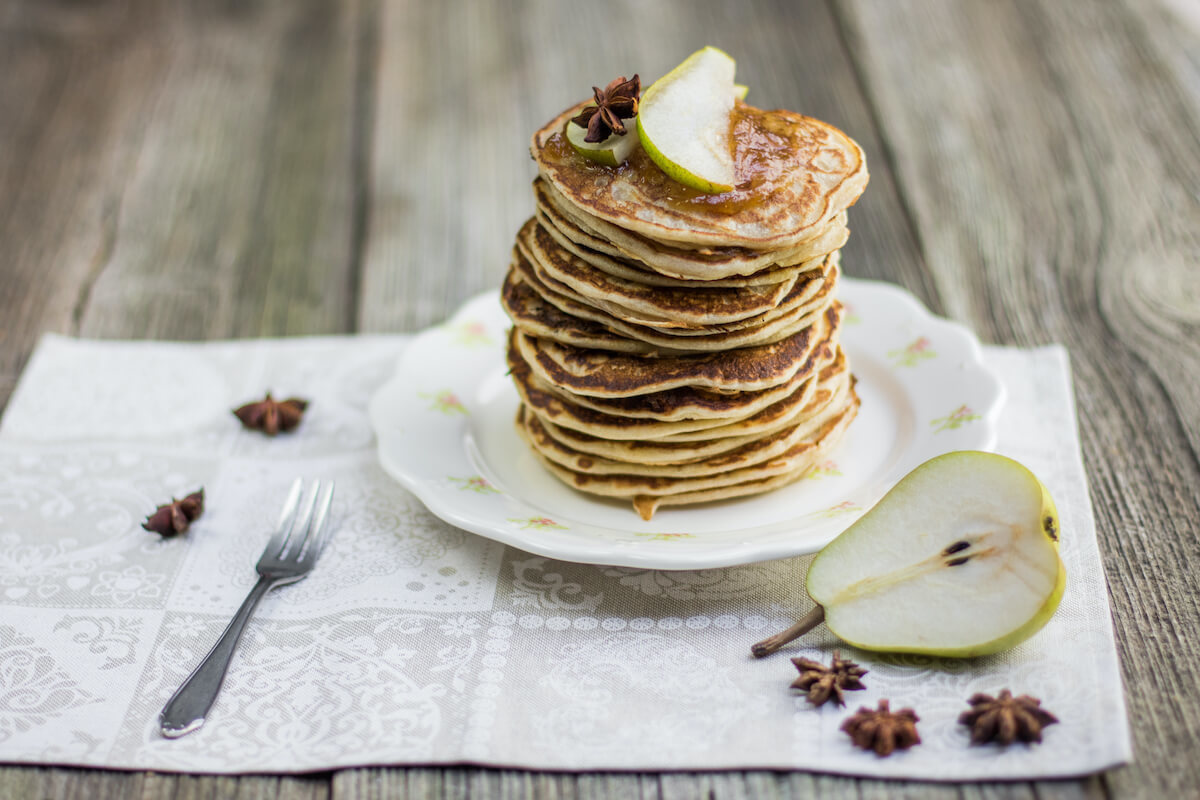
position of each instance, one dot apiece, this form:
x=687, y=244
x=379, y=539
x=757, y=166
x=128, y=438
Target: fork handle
x=187, y=708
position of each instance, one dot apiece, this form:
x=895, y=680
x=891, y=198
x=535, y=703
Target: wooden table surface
x=196, y=169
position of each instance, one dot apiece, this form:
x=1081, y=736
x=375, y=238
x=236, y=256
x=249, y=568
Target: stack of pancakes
x=671, y=347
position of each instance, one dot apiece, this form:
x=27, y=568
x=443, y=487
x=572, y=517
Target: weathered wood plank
x=378, y=783
x=232, y=787
x=1047, y=153
x=175, y=171
x=69, y=784
x=457, y=782
x=238, y=216
x=447, y=165
x=74, y=92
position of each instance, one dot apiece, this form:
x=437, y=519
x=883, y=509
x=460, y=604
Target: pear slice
x=683, y=121
x=611, y=151
x=959, y=559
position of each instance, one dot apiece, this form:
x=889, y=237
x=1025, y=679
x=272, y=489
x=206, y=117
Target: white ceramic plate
x=445, y=427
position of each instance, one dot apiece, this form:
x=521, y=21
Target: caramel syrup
x=767, y=147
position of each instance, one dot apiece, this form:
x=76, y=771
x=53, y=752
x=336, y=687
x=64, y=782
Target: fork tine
x=320, y=528
x=287, y=519
x=299, y=531
x=302, y=530
x=289, y=507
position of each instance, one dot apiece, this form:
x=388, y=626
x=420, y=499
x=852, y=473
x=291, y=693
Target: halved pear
x=610, y=151
x=959, y=559
x=683, y=121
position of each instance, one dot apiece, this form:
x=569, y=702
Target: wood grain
x=69, y=131
x=190, y=169
x=177, y=171
x=237, y=217
x=1074, y=219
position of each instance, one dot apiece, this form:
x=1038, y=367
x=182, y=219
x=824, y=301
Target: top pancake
x=795, y=175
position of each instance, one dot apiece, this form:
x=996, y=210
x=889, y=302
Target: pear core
x=957, y=559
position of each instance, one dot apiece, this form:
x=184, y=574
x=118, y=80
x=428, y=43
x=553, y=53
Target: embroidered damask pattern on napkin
x=416, y=642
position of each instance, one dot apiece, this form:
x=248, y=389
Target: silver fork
x=300, y=536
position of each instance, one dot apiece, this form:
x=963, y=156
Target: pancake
x=604, y=374
x=633, y=256
x=539, y=312
x=684, y=306
x=647, y=505
x=530, y=312
x=754, y=452
x=556, y=408
x=795, y=175
x=565, y=414
x=812, y=291
x=741, y=420
x=706, y=264
x=614, y=457
x=682, y=403
x=631, y=485
x=650, y=491
x=620, y=265
x=775, y=416
x=543, y=312
x=691, y=459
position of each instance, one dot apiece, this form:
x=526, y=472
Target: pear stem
x=805, y=624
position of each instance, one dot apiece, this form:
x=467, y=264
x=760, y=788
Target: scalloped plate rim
x=650, y=553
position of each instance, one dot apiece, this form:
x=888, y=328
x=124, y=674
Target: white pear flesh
x=613, y=150
x=959, y=559
x=683, y=121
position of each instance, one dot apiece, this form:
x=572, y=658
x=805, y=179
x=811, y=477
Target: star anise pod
x=1005, y=719
x=882, y=729
x=272, y=416
x=828, y=683
x=615, y=102
x=174, y=518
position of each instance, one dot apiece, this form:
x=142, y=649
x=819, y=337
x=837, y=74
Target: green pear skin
x=683, y=150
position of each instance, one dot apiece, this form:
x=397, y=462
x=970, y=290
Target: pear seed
x=1050, y=528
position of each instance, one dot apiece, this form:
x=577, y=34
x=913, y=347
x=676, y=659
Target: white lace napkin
x=415, y=642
